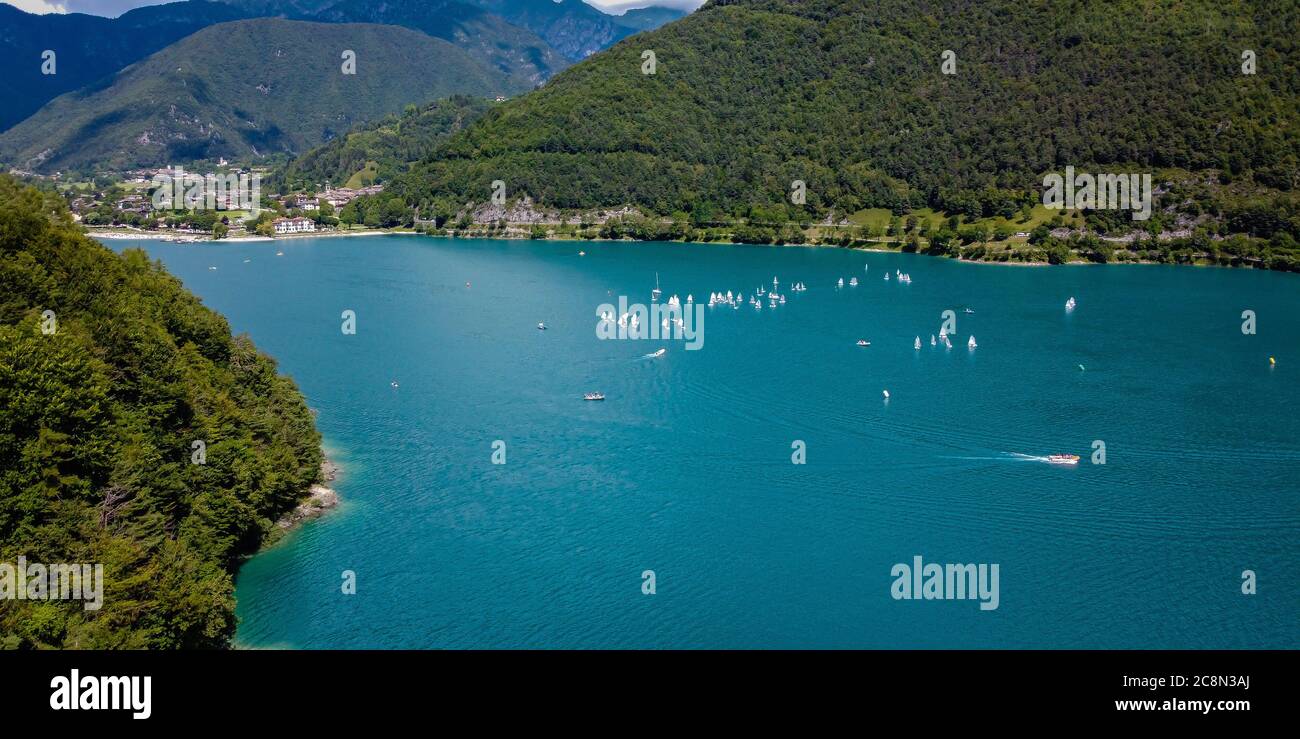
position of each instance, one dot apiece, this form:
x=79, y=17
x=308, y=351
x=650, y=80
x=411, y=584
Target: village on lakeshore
x=126, y=205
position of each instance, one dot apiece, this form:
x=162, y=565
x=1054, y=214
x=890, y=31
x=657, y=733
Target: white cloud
x=40, y=7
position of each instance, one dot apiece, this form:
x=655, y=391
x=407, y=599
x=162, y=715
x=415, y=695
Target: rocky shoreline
x=321, y=498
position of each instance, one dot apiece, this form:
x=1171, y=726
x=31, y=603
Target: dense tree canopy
x=851, y=98
x=97, y=424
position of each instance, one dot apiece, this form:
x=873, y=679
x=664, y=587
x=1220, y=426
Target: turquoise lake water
x=685, y=469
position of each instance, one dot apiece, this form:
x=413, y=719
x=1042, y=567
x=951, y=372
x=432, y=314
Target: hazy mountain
x=572, y=27
x=86, y=47
x=512, y=49
x=646, y=19
x=246, y=88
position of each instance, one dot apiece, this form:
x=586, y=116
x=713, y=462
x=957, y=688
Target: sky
x=114, y=8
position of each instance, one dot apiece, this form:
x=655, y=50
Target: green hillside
x=849, y=97
x=97, y=421
x=384, y=148
x=245, y=89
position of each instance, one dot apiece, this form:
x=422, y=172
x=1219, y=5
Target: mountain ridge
x=283, y=90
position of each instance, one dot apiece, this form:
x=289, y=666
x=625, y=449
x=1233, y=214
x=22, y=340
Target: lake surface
x=686, y=468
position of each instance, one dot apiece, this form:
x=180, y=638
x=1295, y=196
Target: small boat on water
x=917, y=344
x=886, y=277
x=1063, y=459
x=393, y=383
x=968, y=310
x=840, y=283
x=971, y=344
x=655, y=293
x=582, y=253
x=932, y=341
x=885, y=393
x=853, y=282
x=863, y=342
x=280, y=254
x=594, y=396
x=659, y=353
x=541, y=326
x=1069, y=304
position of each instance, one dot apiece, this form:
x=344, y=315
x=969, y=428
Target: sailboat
x=917, y=344
x=971, y=343
x=655, y=293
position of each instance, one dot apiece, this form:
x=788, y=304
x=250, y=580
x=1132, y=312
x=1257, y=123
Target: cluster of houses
x=138, y=207
x=337, y=197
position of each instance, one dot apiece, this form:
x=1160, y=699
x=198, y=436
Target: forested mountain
x=379, y=151
x=851, y=98
x=87, y=47
x=97, y=424
x=279, y=87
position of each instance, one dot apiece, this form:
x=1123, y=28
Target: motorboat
x=594, y=396
x=1069, y=459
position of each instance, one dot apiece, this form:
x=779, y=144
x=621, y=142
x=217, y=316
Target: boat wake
x=1007, y=457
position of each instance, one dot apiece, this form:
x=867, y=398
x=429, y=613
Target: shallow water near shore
x=685, y=469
